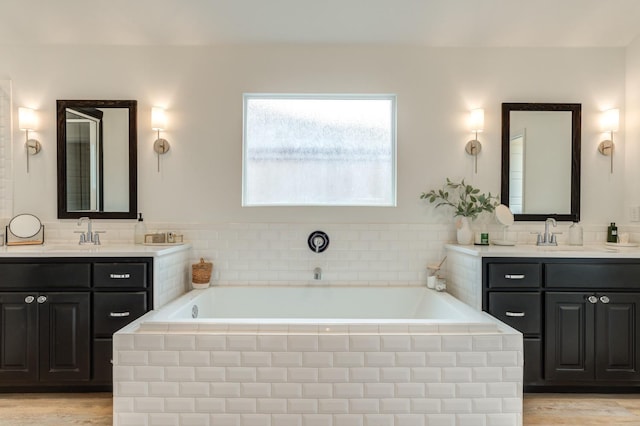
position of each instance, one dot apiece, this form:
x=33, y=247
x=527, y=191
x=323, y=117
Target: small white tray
x=503, y=242
x=622, y=244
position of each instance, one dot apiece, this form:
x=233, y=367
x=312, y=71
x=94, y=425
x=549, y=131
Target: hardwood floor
x=539, y=409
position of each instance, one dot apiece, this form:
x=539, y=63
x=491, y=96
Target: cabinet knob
x=604, y=299
x=514, y=276
x=42, y=299
x=29, y=299
x=592, y=299
x=119, y=314
x=514, y=314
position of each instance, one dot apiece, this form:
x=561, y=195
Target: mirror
x=97, y=159
x=541, y=160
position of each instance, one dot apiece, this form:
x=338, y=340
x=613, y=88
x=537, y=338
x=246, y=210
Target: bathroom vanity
x=59, y=308
x=578, y=310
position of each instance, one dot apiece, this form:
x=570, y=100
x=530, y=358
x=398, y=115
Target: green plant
x=465, y=199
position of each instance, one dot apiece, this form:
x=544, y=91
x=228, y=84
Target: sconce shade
x=476, y=120
x=26, y=119
x=610, y=121
x=158, y=119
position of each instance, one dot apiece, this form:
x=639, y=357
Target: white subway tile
x=271, y=405
x=302, y=406
x=348, y=390
x=210, y=374
x=302, y=343
x=487, y=405
x=379, y=390
x=179, y=342
x=148, y=404
x=380, y=359
x=215, y=342
x=123, y=342
x=225, y=390
x=395, y=343
x=336, y=374
x=317, y=390
x=348, y=420
x=395, y=405
x=179, y=374
x=471, y=420
x=488, y=374
x=348, y=359
x=333, y=406
x=255, y=420
x=410, y=420
x=426, y=374
x=317, y=359
x=179, y=405
x=256, y=359
x=395, y=374
x=151, y=374
x=149, y=342
x=333, y=342
x=378, y=420
x=487, y=343
x=512, y=374
x=364, y=343
x=199, y=419
x=123, y=404
x=471, y=390
x=456, y=405
x=441, y=390
x=240, y=405
x=410, y=359
x=512, y=405
x=241, y=343
x=364, y=374
x=133, y=357
x=271, y=374
x=472, y=359
x=194, y=389
x=272, y=343
x=225, y=359
x=131, y=419
x=287, y=420
x=502, y=359
x=255, y=390
x=364, y=406
x=163, y=419
x=302, y=374
x=194, y=358
x=286, y=359
x=286, y=390
x=456, y=375
x=409, y=390
x=132, y=389
x=457, y=343
x=164, y=358
x=210, y=405
x=164, y=389
x=430, y=405
x=426, y=343
x=503, y=419
x=441, y=359
x=317, y=420
x=240, y=374
x=504, y=390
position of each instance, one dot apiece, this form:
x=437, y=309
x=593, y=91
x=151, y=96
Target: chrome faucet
x=89, y=237
x=548, y=238
x=317, y=273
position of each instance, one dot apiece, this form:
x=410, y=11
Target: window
x=319, y=150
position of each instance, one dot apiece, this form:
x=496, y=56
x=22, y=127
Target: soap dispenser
x=139, y=231
x=612, y=233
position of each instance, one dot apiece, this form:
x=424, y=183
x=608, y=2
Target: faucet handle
x=82, y=237
x=96, y=237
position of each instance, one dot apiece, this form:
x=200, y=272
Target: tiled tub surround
x=324, y=372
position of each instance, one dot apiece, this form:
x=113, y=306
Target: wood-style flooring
x=539, y=409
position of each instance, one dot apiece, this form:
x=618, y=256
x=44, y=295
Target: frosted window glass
x=319, y=150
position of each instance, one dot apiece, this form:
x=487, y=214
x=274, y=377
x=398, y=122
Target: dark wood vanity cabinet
x=58, y=316
x=580, y=319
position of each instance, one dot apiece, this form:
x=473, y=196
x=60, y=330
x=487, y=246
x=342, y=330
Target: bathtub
x=326, y=356
x=291, y=306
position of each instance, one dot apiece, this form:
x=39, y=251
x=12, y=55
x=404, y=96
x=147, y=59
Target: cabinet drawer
x=592, y=275
x=112, y=311
x=520, y=310
x=45, y=275
x=130, y=275
x=514, y=275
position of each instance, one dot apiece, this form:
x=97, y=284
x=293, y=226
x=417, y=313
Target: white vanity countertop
x=76, y=250
x=530, y=250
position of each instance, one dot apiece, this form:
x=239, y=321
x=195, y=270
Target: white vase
x=464, y=232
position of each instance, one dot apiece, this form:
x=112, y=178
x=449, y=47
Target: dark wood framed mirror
x=541, y=160
x=97, y=159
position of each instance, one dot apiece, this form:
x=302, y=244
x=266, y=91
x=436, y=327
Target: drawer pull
x=119, y=314
x=514, y=276
x=514, y=314
x=120, y=276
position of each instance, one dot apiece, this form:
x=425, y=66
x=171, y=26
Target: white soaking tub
x=325, y=356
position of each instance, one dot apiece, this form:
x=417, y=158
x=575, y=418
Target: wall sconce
x=27, y=122
x=609, y=122
x=158, y=123
x=476, y=124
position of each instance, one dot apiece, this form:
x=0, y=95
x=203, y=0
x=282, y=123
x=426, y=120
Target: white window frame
x=390, y=97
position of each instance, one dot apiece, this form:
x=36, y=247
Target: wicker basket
x=201, y=273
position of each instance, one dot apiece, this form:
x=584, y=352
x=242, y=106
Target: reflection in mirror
x=541, y=160
x=97, y=159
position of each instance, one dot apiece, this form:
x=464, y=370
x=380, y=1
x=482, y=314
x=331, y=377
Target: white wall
x=632, y=129
x=202, y=87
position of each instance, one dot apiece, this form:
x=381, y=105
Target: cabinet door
x=64, y=337
x=18, y=337
x=617, y=342
x=569, y=337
